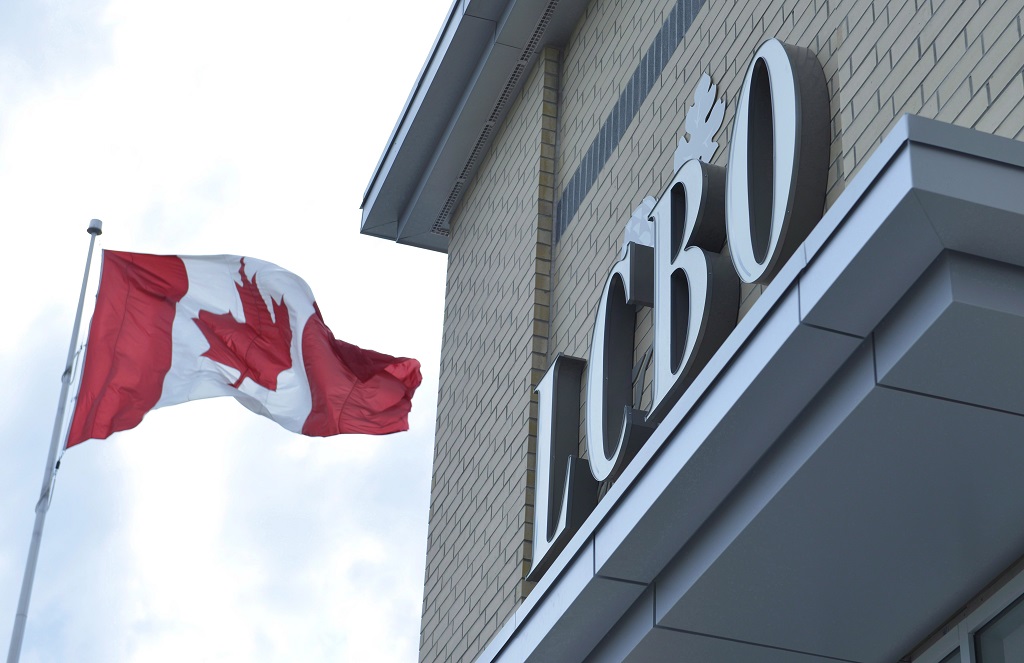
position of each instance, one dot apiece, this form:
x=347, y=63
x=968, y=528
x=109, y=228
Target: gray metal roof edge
x=430, y=65
x=511, y=640
x=458, y=119
x=406, y=217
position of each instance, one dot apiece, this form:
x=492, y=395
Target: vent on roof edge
x=441, y=223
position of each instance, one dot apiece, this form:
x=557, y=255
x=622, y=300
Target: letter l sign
x=558, y=431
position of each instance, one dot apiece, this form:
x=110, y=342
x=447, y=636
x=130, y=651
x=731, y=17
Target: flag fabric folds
x=170, y=329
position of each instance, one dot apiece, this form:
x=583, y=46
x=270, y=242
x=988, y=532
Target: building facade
x=837, y=475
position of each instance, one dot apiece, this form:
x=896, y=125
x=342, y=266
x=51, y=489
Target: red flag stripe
x=129, y=347
x=355, y=390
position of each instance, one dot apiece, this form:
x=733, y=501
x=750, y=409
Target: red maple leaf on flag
x=258, y=347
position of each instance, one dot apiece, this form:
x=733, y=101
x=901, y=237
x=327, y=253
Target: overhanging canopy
x=845, y=473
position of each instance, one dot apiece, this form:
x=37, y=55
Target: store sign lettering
x=765, y=203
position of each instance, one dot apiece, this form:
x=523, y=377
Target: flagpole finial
x=95, y=227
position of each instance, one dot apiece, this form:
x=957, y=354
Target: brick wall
x=495, y=351
x=957, y=61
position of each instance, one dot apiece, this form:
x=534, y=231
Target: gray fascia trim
x=616, y=521
x=457, y=121
x=423, y=81
x=418, y=149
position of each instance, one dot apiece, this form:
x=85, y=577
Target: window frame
x=962, y=633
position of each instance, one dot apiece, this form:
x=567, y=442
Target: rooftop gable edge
x=423, y=81
x=435, y=134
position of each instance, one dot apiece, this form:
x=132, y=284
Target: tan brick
x=498, y=241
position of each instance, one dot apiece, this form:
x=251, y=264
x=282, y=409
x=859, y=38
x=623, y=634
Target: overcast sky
x=203, y=127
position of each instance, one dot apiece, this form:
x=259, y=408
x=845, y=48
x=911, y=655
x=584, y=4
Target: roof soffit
x=476, y=67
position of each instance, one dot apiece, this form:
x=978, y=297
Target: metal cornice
x=453, y=112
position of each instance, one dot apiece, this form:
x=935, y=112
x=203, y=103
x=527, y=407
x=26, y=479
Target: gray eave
x=844, y=474
x=468, y=68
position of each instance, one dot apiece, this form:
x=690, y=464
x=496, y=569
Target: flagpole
x=21, y=617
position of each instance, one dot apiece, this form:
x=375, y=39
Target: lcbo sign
x=765, y=203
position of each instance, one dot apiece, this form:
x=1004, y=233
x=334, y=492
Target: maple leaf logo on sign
x=258, y=347
x=703, y=120
x=640, y=228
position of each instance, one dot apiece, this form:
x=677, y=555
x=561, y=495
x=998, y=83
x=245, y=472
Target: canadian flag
x=170, y=329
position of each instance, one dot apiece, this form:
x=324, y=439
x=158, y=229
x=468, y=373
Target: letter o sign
x=778, y=159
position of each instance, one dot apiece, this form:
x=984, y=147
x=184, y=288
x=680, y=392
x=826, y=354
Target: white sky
x=199, y=127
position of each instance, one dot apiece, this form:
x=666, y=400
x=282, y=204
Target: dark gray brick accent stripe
x=626, y=108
